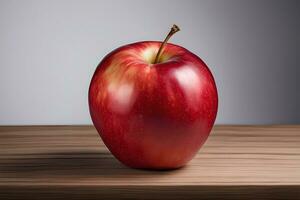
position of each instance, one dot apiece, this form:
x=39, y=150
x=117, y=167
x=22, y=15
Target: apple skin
x=153, y=116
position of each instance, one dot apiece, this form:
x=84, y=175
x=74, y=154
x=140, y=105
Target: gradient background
x=50, y=49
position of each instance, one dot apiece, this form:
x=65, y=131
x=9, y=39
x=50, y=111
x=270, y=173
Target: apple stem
x=173, y=30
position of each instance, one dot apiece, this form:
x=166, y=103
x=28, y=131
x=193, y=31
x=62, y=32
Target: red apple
x=153, y=110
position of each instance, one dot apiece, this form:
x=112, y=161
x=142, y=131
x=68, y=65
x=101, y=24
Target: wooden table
x=71, y=162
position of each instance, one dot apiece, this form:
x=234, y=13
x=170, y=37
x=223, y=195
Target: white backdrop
x=50, y=49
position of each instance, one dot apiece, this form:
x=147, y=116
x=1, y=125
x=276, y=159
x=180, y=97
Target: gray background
x=49, y=51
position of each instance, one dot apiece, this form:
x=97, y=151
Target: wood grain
x=71, y=162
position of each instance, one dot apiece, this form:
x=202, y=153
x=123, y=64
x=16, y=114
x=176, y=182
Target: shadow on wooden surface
x=87, y=164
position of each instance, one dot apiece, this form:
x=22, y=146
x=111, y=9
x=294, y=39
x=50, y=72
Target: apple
x=153, y=103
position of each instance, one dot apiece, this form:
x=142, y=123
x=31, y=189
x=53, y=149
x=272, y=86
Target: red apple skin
x=153, y=116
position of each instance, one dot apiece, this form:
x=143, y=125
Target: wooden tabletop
x=71, y=162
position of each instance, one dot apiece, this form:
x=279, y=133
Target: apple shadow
x=88, y=164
